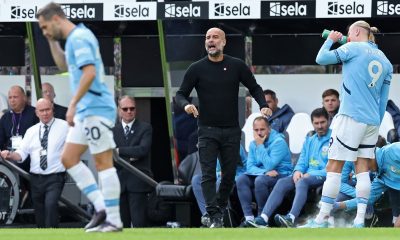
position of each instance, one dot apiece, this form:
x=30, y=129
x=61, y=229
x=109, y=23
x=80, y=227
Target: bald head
x=16, y=98
x=48, y=91
x=44, y=110
x=215, y=43
x=216, y=30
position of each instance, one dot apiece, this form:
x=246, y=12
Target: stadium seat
x=181, y=195
x=248, y=130
x=387, y=129
x=298, y=128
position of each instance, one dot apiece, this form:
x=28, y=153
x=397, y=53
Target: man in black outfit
x=133, y=139
x=216, y=79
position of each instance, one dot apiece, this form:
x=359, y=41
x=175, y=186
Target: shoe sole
x=256, y=225
x=100, y=230
x=283, y=222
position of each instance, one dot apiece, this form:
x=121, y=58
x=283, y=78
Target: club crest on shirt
x=395, y=170
x=314, y=162
x=324, y=150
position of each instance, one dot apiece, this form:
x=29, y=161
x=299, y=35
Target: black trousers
x=46, y=191
x=133, y=209
x=224, y=143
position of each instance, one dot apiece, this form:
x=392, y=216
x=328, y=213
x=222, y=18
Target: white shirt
x=128, y=124
x=56, y=139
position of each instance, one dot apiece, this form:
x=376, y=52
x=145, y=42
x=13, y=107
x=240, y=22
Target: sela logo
x=83, y=11
x=122, y=11
x=339, y=8
x=178, y=11
x=18, y=12
x=283, y=9
x=384, y=8
x=222, y=10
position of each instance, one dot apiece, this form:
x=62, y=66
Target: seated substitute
x=309, y=172
x=269, y=159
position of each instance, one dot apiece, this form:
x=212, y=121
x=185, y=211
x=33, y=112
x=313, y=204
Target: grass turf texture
x=204, y=234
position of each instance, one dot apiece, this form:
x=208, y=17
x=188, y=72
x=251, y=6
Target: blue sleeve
x=348, y=189
x=384, y=95
x=243, y=156
x=325, y=55
x=348, y=168
x=302, y=163
x=377, y=188
x=83, y=52
x=271, y=159
x=321, y=172
x=351, y=204
x=253, y=166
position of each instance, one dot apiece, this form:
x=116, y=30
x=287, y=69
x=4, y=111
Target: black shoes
x=217, y=222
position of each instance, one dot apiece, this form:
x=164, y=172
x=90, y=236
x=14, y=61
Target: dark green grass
x=205, y=234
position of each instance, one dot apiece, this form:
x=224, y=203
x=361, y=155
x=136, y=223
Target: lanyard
x=14, y=122
x=40, y=129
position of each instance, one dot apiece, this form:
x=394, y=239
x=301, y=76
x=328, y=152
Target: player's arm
x=384, y=96
x=88, y=76
x=58, y=55
x=326, y=55
x=188, y=83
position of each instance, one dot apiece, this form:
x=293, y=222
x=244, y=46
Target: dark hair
x=381, y=142
x=261, y=118
x=330, y=92
x=319, y=112
x=270, y=92
x=51, y=9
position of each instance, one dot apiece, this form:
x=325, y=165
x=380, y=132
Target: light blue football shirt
x=81, y=49
x=367, y=74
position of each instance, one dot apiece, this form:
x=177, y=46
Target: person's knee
x=69, y=160
x=242, y=181
x=261, y=181
x=335, y=166
x=196, y=181
x=71, y=154
x=103, y=160
x=302, y=183
x=281, y=186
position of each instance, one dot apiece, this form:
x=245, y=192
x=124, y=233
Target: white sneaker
x=105, y=227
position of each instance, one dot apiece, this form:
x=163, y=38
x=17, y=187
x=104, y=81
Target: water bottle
x=342, y=40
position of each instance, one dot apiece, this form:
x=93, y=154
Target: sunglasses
x=125, y=109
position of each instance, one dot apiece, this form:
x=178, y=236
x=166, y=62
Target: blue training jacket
x=314, y=155
x=274, y=154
